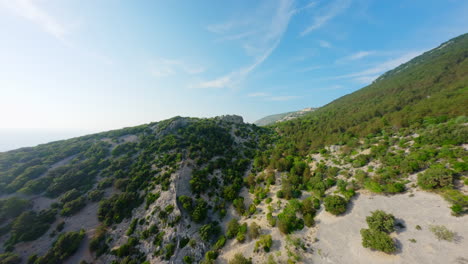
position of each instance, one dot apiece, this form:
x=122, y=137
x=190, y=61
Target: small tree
x=381, y=221
x=434, y=178
x=309, y=220
x=232, y=228
x=335, y=204
x=265, y=242
x=377, y=240
x=240, y=259
x=254, y=230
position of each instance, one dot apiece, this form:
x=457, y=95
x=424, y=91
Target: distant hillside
x=432, y=85
x=271, y=119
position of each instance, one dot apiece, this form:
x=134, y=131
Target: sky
x=73, y=67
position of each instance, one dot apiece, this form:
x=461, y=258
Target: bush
x=241, y=234
x=9, y=258
x=264, y=242
x=29, y=226
x=98, y=244
x=232, y=228
x=434, y=178
x=240, y=259
x=309, y=220
x=442, y=233
x=287, y=220
x=381, y=221
x=200, y=210
x=12, y=207
x=208, y=231
x=65, y=246
x=73, y=207
x=271, y=219
x=254, y=230
x=117, y=207
x=377, y=240
x=95, y=195
x=188, y=259
x=335, y=204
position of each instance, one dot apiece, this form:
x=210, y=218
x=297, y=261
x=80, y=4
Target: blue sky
x=86, y=65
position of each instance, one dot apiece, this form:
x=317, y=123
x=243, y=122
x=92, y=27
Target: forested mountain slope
x=433, y=85
x=189, y=190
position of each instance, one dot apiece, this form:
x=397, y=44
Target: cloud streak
x=323, y=16
x=165, y=67
x=258, y=44
x=370, y=74
x=28, y=9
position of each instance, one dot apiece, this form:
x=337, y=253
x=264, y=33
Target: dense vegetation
x=376, y=237
x=169, y=185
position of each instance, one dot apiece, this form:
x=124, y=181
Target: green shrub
x=232, y=228
x=98, y=243
x=335, y=204
x=65, y=246
x=9, y=258
x=442, y=233
x=381, y=221
x=240, y=259
x=287, y=220
x=434, y=178
x=265, y=242
x=254, y=230
x=377, y=240
x=242, y=232
x=309, y=220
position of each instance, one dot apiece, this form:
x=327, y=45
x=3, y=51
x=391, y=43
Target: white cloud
x=324, y=44
x=29, y=10
x=269, y=26
x=166, y=67
x=357, y=56
x=323, y=16
x=368, y=75
x=257, y=95
x=360, y=55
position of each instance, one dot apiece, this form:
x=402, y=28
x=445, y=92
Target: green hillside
x=191, y=190
x=433, y=85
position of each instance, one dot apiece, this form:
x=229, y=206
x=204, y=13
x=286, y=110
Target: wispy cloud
x=324, y=15
x=166, y=67
x=370, y=74
x=311, y=68
x=359, y=55
x=324, y=44
x=31, y=11
x=270, y=27
x=257, y=94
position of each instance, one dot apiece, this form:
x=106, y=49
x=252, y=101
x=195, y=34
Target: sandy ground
x=339, y=240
